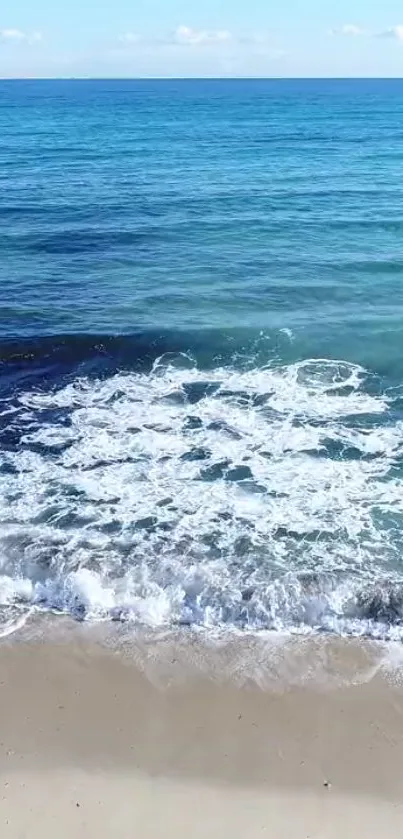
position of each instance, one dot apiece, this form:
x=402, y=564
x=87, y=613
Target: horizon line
x=193, y=78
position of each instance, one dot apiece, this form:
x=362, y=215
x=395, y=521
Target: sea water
x=201, y=354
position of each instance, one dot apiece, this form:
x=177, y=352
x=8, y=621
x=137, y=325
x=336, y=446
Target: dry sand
x=93, y=744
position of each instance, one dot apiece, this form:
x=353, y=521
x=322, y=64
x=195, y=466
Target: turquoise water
x=201, y=375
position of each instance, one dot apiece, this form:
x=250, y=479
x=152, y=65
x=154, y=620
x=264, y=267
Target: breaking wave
x=261, y=498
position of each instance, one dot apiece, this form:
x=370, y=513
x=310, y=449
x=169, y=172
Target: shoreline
x=269, y=660
x=85, y=724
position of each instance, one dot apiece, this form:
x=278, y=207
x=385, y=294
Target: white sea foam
x=261, y=498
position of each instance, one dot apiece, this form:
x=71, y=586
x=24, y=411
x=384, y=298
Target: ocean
x=201, y=354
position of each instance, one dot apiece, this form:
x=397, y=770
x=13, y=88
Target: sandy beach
x=100, y=742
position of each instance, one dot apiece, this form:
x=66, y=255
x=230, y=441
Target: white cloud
x=395, y=32
x=349, y=29
x=12, y=35
x=186, y=36
x=129, y=38
x=194, y=37
x=16, y=36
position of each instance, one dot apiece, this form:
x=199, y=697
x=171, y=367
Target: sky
x=197, y=38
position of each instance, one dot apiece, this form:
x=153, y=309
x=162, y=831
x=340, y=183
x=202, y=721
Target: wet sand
x=107, y=743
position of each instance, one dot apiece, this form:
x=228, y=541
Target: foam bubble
x=262, y=498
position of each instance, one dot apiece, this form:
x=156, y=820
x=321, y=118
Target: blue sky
x=203, y=38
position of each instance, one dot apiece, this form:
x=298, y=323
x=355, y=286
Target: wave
x=50, y=357
x=82, y=240
x=240, y=497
